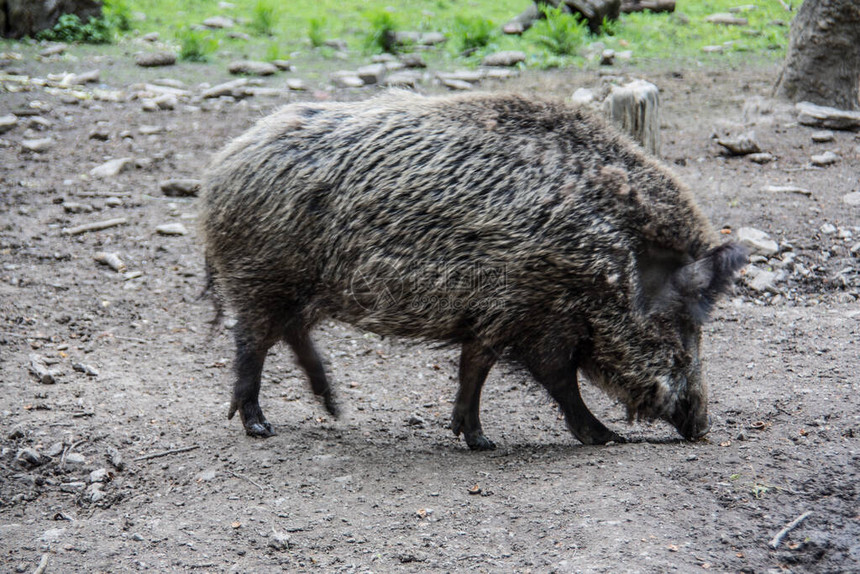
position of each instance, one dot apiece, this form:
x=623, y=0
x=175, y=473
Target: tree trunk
x=823, y=61
x=27, y=17
x=629, y=6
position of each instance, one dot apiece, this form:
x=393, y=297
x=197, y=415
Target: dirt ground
x=388, y=488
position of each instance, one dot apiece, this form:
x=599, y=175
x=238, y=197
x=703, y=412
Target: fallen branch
x=775, y=541
x=630, y=6
x=260, y=486
x=166, y=453
x=43, y=565
x=95, y=226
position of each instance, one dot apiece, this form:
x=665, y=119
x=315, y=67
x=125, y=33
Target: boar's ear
x=699, y=284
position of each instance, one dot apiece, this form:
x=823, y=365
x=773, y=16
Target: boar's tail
x=211, y=293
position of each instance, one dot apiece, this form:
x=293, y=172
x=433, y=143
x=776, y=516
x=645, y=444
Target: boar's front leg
x=475, y=363
x=559, y=379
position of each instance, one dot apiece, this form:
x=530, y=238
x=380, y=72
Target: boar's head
x=652, y=362
x=681, y=305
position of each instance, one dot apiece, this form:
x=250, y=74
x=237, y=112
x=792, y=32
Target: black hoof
x=259, y=429
x=600, y=438
x=330, y=404
x=480, y=442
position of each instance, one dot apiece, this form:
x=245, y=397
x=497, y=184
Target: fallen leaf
x=236, y=524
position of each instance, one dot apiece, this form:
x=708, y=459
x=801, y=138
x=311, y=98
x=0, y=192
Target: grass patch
x=473, y=33
x=264, y=18
x=472, y=28
x=195, y=45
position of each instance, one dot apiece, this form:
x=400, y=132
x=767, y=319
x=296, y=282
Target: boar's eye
x=698, y=285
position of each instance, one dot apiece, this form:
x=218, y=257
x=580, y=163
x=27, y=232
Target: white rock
x=582, y=96
x=38, y=145
x=112, y=168
x=8, y=122
x=758, y=241
x=345, y=79
x=372, y=73
x=851, y=198
x=166, y=102
x=171, y=229
x=100, y=475
x=218, y=22
x=824, y=159
x=505, y=58
x=233, y=88
x=823, y=136
x=252, y=68
x=456, y=84
x=787, y=189
x=827, y=229
x=296, y=84
x=760, y=279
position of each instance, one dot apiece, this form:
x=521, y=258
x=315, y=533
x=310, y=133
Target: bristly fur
x=408, y=194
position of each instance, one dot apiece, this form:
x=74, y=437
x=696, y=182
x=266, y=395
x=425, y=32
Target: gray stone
x=452, y=84
x=372, y=73
x=279, y=540
x=405, y=79
x=155, y=59
x=39, y=145
x=471, y=76
x=112, y=168
x=151, y=37
x=432, y=39
x=506, y=58
x=252, y=68
x=582, y=96
x=760, y=279
x=712, y=49
x=725, y=19
x=283, y=65
x=607, y=57
x=90, y=77
x=218, y=22
x=827, y=229
x=296, y=84
x=166, y=102
x=810, y=114
x=852, y=198
x=75, y=459
x=824, y=159
x=761, y=157
x=823, y=136
x=345, y=79
x=95, y=492
x=185, y=187
x=235, y=88
x=99, y=475
x=412, y=61
x=53, y=49
x=757, y=241
x=743, y=144
x=171, y=229
x=29, y=457
x=86, y=369
x=8, y=122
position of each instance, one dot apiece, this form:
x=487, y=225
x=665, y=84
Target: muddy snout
x=692, y=423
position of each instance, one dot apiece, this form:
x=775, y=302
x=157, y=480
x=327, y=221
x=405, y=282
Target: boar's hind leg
x=299, y=340
x=475, y=363
x=563, y=386
x=250, y=356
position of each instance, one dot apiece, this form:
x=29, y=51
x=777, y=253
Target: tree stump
x=635, y=108
x=822, y=65
x=27, y=17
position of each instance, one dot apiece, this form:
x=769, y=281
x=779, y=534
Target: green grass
x=473, y=28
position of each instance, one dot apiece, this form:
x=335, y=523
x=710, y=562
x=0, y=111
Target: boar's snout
x=691, y=418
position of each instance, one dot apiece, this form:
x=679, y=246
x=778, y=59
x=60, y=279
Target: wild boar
x=511, y=226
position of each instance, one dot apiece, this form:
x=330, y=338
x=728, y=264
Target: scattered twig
x=70, y=449
x=43, y=565
x=103, y=194
x=786, y=6
x=775, y=541
x=22, y=336
x=258, y=485
x=166, y=452
x=94, y=226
